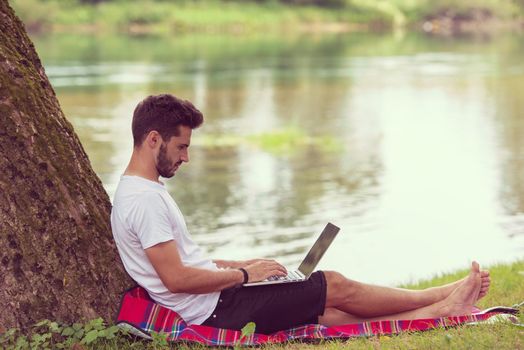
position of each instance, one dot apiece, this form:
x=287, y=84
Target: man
x=160, y=255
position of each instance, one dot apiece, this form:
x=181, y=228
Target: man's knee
x=339, y=288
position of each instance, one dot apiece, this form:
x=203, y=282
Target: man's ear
x=153, y=139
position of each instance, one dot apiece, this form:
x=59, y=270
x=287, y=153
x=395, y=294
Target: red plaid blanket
x=141, y=316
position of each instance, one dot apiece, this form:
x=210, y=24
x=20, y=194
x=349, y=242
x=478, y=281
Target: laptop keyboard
x=291, y=276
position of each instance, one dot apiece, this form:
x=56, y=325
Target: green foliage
x=248, y=330
x=320, y=3
x=165, y=17
x=159, y=340
x=36, y=14
x=465, y=9
x=160, y=17
x=47, y=334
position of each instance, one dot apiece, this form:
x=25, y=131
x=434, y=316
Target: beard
x=164, y=165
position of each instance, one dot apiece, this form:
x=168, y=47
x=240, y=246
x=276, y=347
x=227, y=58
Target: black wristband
x=246, y=276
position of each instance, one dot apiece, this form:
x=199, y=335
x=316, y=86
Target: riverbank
x=146, y=17
x=507, y=289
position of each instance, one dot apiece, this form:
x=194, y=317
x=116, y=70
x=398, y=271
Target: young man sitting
x=160, y=255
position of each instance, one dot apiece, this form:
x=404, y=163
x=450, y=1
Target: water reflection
x=411, y=145
x=509, y=121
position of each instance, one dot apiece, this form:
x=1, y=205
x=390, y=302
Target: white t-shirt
x=143, y=215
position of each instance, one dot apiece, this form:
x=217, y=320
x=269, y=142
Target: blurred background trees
x=252, y=15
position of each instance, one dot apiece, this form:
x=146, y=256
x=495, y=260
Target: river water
x=413, y=145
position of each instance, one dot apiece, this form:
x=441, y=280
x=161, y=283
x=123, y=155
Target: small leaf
x=102, y=333
x=77, y=326
x=79, y=334
x=42, y=323
x=68, y=331
x=21, y=343
x=113, y=329
x=54, y=327
x=248, y=329
x=90, y=337
x=97, y=323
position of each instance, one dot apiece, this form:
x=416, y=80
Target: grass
x=285, y=141
x=248, y=17
x=507, y=289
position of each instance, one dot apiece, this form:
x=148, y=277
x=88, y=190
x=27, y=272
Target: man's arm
x=179, y=278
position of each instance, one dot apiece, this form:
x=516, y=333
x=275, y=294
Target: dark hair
x=163, y=113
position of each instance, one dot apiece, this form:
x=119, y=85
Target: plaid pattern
x=140, y=312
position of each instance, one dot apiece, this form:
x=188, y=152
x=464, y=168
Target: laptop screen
x=319, y=248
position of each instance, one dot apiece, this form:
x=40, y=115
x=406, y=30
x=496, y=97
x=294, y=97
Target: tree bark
x=58, y=260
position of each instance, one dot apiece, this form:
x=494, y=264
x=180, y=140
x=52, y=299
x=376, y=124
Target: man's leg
x=459, y=302
x=367, y=301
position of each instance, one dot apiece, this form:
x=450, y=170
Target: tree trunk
x=58, y=260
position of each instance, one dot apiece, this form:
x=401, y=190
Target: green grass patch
x=507, y=289
x=285, y=141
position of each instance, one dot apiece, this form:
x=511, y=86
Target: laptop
x=309, y=263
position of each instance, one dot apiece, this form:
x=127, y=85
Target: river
x=412, y=144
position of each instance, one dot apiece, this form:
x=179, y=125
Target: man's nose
x=185, y=156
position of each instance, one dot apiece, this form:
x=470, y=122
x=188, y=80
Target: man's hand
x=260, y=269
x=252, y=261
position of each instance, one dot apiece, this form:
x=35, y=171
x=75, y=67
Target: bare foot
x=447, y=289
x=484, y=284
x=463, y=298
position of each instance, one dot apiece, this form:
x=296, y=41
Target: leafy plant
x=47, y=334
x=247, y=331
x=159, y=340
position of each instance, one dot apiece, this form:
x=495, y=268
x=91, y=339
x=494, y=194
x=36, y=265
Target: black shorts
x=271, y=307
